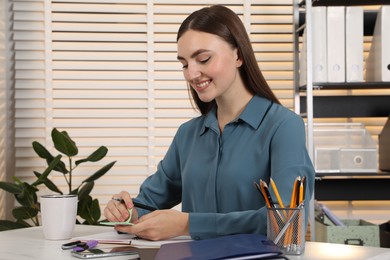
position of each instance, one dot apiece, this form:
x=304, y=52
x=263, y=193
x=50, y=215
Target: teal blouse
x=212, y=174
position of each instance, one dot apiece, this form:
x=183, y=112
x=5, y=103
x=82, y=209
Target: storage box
x=384, y=147
x=344, y=148
x=384, y=231
x=355, y=232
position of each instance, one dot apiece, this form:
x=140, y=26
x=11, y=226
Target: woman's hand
x=117, y=209
x=159, y=225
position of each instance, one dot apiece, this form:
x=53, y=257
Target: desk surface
x=29, y=243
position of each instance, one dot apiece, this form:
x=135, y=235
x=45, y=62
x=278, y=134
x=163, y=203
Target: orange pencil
x=265, y=194
x=301, y=192
x=288, y=236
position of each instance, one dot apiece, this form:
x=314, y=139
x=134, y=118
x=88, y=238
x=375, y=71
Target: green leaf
x=95, y=211
x=74, y=192
x=8, y=225
x=45, y=154
x=100, y=172
x=49, y=184
x=86, y=189
x=63, y=143
x=24, y=212
x=28, y=197
x=10, y=187
x=97, y=155
x=41, y=151
x=51, y=166
x=83, y=208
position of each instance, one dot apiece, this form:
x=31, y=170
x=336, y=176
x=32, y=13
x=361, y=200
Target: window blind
x=3, y=111
x=6, y=107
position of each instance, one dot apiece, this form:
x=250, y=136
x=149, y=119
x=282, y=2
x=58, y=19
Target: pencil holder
x=286, y=227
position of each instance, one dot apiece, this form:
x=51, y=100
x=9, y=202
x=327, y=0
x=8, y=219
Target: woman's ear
x=238, y=60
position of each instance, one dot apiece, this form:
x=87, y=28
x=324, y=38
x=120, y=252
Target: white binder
x=336, y=43
x=354, y=43
x=378, y=61
x=302, y=61
x=320, y=64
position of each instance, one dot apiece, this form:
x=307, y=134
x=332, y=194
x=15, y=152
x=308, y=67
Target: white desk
x=29, y=243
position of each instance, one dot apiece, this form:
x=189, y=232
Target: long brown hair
x=223, y=22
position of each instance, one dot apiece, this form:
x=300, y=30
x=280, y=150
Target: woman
x=242, y=136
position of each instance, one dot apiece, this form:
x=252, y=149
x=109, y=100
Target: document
x=113, y=237
x=354, y=25
x=336, y=43
x=378, y=61
x=320, y=60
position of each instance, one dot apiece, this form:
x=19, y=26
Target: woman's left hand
x=159, y=225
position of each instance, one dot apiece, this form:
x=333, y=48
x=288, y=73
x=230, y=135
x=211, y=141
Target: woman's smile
x=200, y=86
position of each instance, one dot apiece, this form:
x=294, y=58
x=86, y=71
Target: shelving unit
x=343, y=186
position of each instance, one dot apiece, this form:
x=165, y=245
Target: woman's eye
x=185, y=66
x=205, y=60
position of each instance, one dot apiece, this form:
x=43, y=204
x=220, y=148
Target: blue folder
x=240, y=246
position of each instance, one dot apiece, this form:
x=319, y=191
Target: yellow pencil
x=278, y=197
x=277, y=193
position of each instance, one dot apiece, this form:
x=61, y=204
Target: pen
x=137, y=204
x=266, y=190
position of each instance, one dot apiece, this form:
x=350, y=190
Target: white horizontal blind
x=106, y=72
x=3, y=111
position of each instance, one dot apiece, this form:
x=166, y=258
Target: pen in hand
x=136, y=204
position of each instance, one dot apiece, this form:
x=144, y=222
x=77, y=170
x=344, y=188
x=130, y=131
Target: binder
x=378, y=61
x=384, y=147
x=354, y=25
x=336, y=43
x=303, y=61
x=320, y=64
x=240, y=246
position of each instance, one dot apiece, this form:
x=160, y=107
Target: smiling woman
x=242, y=135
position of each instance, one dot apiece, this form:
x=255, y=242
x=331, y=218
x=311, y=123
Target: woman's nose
x=193, y=72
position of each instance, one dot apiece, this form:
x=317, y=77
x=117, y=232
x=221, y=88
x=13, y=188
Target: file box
x=384, y=147
x=355, y=232
x=344, y=147
x=384, y=231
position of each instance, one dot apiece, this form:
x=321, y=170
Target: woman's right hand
x=117, y=209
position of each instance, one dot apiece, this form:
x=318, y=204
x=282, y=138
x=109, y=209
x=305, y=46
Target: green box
x=355, y=232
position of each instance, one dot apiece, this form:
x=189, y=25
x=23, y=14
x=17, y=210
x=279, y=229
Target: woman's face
x=210, y=65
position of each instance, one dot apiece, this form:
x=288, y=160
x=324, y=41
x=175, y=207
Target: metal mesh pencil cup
x=286, y=227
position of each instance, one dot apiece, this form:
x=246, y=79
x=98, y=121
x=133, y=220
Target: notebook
x=240, y=246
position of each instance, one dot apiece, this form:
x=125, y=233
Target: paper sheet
x=113, y=237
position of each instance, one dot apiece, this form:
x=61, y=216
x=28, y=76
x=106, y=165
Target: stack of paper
x=113, y=237
x=378, y=61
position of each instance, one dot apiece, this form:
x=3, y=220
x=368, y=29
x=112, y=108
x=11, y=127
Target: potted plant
x=25, y=194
